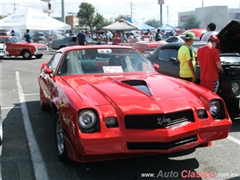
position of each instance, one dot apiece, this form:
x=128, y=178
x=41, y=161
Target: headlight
x=214, y=107
x=87, y=119
x=235, y=87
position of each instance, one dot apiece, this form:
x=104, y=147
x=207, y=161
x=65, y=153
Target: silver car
x=70, y=41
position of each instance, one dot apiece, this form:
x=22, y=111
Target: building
x=220, y=15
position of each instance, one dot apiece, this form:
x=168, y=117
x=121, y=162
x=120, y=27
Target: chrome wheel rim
x=27, y=55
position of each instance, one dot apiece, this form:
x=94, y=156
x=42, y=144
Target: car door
x=47, y=82
x=167, y=59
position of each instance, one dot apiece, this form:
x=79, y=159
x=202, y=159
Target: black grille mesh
x=156, y=121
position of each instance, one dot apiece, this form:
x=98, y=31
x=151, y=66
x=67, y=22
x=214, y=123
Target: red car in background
x=142, y=44
x=197, y=31
x=110, y=103
x=16, y=46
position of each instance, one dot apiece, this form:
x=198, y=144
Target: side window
x=54, y=61
x=74, y=39
x=172, y=39
x=166, y=54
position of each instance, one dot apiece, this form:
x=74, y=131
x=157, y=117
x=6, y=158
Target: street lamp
x=14, y=6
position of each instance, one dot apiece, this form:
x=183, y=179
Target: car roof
x=70, y=48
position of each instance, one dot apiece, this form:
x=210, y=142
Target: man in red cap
x=209, y=62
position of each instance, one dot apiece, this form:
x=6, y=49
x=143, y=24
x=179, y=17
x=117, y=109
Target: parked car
x=71, y=41
x=143, y=44
x=16, y=46
x=111, y=103
x=197, y=31
x=3, y=51
x=179, y=38
x=166, y=57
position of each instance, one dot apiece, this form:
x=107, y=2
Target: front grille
x=156, y=121
x=161, y=145
x=42, y=48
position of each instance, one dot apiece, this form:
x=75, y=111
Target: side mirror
x=43, y=65
x=156, y=67
x=173, y=59
x=48, y=70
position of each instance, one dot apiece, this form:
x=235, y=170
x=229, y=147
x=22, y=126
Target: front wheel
x=60, y=141
x=26, y=54
x=39, y=56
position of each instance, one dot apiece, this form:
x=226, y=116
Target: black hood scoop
x=139, y=84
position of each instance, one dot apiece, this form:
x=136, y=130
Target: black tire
x=60, y=141
x=26, y=54
x=39, y=56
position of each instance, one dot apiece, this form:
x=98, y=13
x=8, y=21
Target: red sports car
x=111, y=103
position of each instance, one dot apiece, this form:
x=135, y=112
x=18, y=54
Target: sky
x=140, y=10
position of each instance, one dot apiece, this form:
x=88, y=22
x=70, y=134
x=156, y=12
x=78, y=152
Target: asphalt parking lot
x=28, y=151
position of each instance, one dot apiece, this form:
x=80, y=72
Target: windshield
x=16, y=40
x=89, y=39
x=97, y=61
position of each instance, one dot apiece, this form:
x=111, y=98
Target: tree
x=87, y=16
x=192, y=22
x=153, y=22
x=121, y=16
x=105, y=23
x=2, y=16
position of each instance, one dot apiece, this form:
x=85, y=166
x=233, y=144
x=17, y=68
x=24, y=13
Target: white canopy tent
x=28, y=18
x=121, y=25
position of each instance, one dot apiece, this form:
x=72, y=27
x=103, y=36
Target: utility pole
x=161, y=2
x=63, y=16
x=131, y=6
x=167, y=15
x=202, y=3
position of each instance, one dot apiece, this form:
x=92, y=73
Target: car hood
x=29, y=44
x=148, y=92
x=230, y=38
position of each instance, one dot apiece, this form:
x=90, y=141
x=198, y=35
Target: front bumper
x=3, y=53
x=116, y=143
x=41, y=50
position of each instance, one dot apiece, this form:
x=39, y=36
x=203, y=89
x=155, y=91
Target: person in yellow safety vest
x=186, y=57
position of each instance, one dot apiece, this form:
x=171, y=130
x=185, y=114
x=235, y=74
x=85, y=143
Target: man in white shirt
x=210, y=31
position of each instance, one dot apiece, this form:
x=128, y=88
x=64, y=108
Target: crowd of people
x=208, y=55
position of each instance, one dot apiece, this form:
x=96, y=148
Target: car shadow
x=19, y=58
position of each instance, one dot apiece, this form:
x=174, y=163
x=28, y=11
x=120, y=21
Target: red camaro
x=110, y=103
